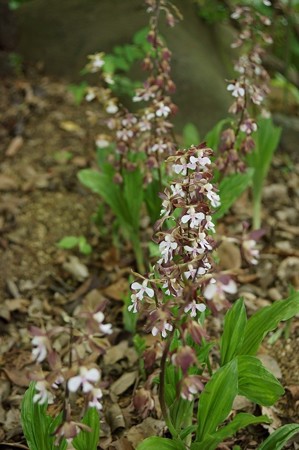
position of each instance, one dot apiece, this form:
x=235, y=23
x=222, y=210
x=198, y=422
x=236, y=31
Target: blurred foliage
x=15, y=4
x=283, y=13
x=121, y=60
x=212, y=11
x=78, y=91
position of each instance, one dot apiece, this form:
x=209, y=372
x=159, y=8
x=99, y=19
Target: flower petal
x=74, y=383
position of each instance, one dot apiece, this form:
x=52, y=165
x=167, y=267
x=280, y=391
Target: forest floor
x=45, y=139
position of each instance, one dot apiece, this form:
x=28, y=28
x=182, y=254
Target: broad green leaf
x=153, y=201
x=53, y=425
x=230, y=189
x=132, y=53
x=102, y=184
x=141, y=36
x=233, y=331
x=216, y=400
x=280, y=437
x=84, y=246
x=159, y=443
x=267, y=319
x=78, y=91
x=256, y=383
x=213, y=137
x=120, y=63
x=68, y=242
x=133, y=194
x=181, y=410
x=190, y=135
x=89, y=439
x=171, y=383
x=240, y=421
x=38, y=426
x=188, y=430
x=266, y=140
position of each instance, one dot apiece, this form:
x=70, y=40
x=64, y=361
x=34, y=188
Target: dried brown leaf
x=17, y=377
x=8, y=183
x=116, y=353
x=149, y=427
x=72, y=127
x=294, y=390
x=124, y=382
x=115, y=417
x=12, y=419
x=75, y=268
x=121, y=444
x=117, y=290
x=271, y=413
x=14, y=146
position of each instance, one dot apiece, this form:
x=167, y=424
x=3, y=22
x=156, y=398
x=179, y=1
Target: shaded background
x=61, y=34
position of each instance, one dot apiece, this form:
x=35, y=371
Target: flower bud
x=184, y=358
x=117, y=178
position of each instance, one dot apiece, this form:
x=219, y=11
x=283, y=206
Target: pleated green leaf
x=133, y=195
x=159, y=443
x=233, y=331
x=102, y=184
x=216, y=400
x=266, y=139
x=267, y=319
x=256, y=383
x=38, y=426
x=280, y=437
x=190, y=135
x=89, y=439
x=240, y=421
x=230, y=189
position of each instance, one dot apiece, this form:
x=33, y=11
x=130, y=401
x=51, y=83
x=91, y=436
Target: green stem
x=257, y=206
x=162, y=401
x=136, y=244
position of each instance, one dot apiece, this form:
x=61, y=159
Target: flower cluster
x=62, y=354
x=149, y=130
x=184, y=234
x=248, y=90
x=185, y=280
x=175, y=294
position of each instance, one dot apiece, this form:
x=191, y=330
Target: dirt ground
x=45, y=139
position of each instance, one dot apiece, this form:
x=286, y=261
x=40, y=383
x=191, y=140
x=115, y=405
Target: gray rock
x=62, y=33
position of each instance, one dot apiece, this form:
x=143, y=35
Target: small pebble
x=274, y=294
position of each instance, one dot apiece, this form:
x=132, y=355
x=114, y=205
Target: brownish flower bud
x=184, y=358
x=147, y=64
x=227, y=140
x=190, y=386
x=150, y=356
x=196, y=331
x=118, y=179
x=247, y=145
x=151, y=37
x=166, y=54
x=170, y=87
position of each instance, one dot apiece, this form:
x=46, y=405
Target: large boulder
x=61, y=33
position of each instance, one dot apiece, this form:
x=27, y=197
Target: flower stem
x=162, y=401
